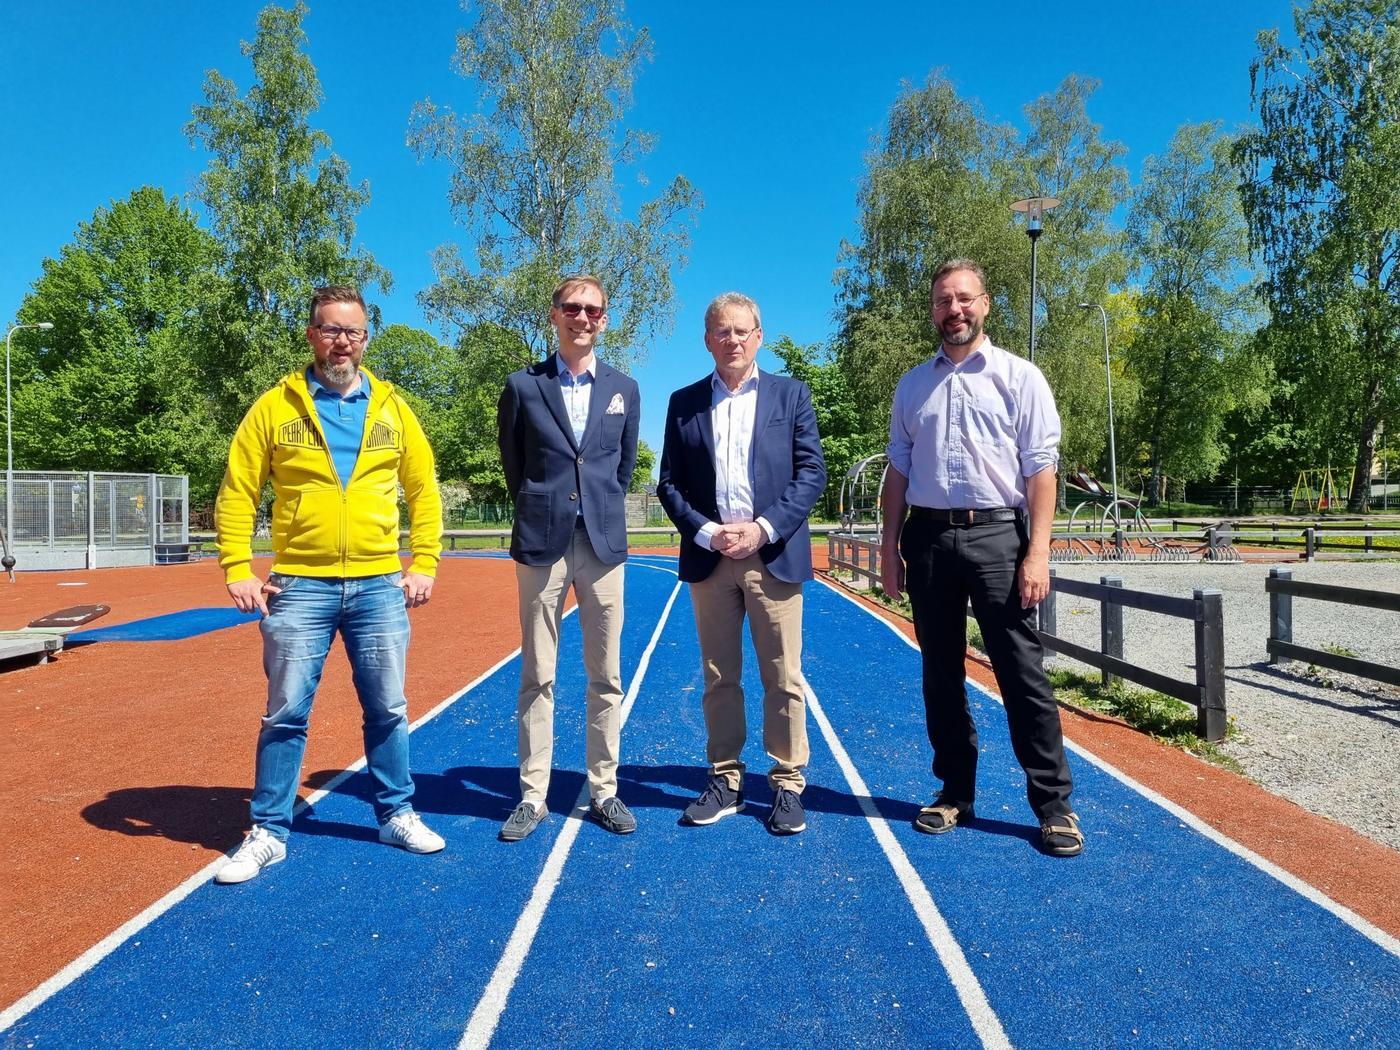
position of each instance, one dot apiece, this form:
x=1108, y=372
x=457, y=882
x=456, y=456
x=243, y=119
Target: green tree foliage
x=930, y=192
x=1190, y=353
x=535, y=170
x=1323, y=205
x=838, y=415
x=641, y=473
x=281, y=206
x=939, y=184
x=1080, y=255
x=112, y=386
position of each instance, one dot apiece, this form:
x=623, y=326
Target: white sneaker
x=260, y=849
x=407, y=831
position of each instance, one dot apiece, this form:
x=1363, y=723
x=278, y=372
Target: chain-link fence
x=72, y=520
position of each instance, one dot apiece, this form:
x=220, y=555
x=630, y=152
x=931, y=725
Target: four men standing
x=973, y=448
x=741, y=469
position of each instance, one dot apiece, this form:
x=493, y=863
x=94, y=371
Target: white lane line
x=105, y=947
x=974, y=1000
x=487, y=1014
x=1304, y=889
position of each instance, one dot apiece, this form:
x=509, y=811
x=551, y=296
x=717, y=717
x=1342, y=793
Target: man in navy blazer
x=567, y=429
x=741, y=469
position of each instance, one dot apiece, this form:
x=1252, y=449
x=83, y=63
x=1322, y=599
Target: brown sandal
x=1060, y=835
x=940, y=816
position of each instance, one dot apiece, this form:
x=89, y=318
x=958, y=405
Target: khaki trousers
x=774, y=609
x=543, y=589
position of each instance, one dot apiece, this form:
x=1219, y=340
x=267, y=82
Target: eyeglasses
x=333, y=332
x=738, y=334
x=574, y=309
x=946, y=302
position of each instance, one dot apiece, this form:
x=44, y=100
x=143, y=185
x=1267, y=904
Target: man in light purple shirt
x=968, y=501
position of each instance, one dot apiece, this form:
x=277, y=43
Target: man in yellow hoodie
x=336, y=443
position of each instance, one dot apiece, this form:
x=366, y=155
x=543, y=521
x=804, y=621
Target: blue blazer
x=548, y=473
x=788, y=477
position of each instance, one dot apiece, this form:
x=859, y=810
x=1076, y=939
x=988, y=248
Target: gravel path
x=1328, y=741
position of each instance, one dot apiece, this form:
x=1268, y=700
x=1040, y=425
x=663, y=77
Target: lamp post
x=9, y=561
x=1108, y=374
x=1034, y=209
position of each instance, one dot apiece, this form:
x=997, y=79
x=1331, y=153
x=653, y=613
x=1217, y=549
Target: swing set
x=1317, y=490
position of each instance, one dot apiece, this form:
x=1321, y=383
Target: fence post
x=1309, y=543
x=1210, y=663
x=1110, y=628
x=1280, y=614
x=1047, y=607
x=92, y=521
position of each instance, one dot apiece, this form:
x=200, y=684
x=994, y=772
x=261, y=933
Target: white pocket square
x=615, y=406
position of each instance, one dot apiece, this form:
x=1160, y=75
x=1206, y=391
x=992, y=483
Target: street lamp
x=8, y=562
x=1108, y=373
x=1034, y=209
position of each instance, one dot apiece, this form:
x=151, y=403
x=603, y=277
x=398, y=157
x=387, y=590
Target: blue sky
x=768, y=107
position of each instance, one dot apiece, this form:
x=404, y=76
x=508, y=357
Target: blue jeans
x=300, y=625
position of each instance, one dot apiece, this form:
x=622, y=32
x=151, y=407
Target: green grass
x=1161, y=717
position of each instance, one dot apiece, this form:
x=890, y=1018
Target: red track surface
x=128, y=764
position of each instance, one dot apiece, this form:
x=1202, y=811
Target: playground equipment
x=860, y=494
x=1317, y=490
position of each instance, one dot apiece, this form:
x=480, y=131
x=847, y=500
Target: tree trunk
x=1359, y=499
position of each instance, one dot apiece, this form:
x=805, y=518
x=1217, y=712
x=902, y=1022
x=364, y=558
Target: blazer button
x=580, y=459
x=573, y=495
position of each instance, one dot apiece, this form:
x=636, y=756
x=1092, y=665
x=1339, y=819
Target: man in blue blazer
x=567, y=429
x=741, y=469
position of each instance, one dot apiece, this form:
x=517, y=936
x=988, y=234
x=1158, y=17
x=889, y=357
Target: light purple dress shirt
x=968, y=435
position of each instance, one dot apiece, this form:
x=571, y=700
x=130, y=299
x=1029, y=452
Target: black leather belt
x=578, y=522
x=965, y=516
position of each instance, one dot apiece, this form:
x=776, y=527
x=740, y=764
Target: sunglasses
x=574, y=309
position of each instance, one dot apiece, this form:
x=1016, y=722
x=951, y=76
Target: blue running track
x=858, y=932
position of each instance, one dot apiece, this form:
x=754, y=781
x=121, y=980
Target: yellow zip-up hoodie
x=319, y=527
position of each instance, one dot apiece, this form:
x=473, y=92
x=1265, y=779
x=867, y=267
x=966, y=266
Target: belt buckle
x=968, y=516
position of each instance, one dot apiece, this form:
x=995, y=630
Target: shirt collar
x=720, y=387
x=980, y=350
x=567, y=376
x=319, y=389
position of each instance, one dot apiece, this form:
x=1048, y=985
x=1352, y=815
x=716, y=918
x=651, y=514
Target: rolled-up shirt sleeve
x=1038, y=431
x=900, y=449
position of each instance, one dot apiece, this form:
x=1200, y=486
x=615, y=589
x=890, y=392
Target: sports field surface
x=1203, y=911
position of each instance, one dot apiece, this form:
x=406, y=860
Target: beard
x=970, y=334
x=339, y=375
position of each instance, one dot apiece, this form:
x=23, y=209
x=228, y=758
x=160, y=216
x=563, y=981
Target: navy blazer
x=548, y=473
x=788, y=473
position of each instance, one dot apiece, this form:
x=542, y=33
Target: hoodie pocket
x=311, y=530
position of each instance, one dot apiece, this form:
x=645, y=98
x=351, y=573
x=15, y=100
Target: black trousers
x=945, y=566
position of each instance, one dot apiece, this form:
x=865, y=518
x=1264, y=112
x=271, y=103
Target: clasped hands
x=738, y=539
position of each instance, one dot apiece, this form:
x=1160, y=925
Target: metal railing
x=1282, y=589
x=1206, y=610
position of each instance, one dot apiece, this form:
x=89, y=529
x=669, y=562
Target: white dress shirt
x=968, y=435
x=731, y=420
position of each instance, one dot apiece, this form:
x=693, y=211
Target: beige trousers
x=774, y=609
x=543, y=589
